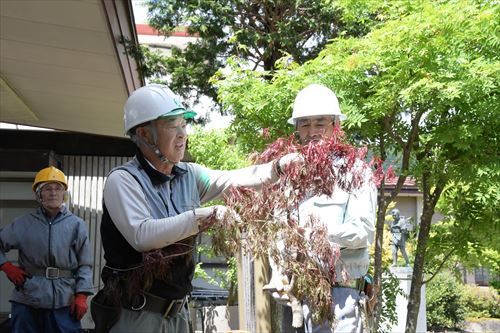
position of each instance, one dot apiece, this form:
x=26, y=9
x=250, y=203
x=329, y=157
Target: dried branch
x=300, y=248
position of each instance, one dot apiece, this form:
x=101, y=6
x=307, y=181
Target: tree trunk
x=418, y=266
x=379, y=238
x=430, y=199
x=382, y=203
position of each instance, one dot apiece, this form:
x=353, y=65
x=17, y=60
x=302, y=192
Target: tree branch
x=439, y=267
x=407, y=149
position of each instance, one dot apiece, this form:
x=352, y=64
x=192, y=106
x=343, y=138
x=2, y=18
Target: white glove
x=278, y=283
x=203, y=215
x=276, y=287
x=287, y=160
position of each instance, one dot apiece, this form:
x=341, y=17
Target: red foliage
x=265, y=133
x=269, y=218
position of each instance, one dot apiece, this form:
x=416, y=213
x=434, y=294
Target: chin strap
x=154, y=147
x=162, y=157
x=140, y=141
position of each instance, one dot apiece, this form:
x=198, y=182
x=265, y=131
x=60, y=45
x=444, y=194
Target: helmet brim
x=341, y=117
x=177, y=112
x=39, y=185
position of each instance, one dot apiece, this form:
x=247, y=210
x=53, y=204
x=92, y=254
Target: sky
x=140, y=11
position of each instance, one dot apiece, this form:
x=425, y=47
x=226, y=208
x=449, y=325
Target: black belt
x=50, y=273
x=165, y=306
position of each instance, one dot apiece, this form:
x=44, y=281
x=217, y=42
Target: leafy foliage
x=271, y=225
x=495, y=284
x=152, y=63
x=471, y=207
x=259, y=31
x=449, y=302
x=424, y=84
x=216, y=149
x=446, y=306
x=405, y=66
x=390, y=291
x=482, y=302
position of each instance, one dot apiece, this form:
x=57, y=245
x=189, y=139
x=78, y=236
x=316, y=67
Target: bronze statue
x=399, y=230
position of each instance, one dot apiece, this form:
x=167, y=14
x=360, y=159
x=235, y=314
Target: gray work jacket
x=61, y=242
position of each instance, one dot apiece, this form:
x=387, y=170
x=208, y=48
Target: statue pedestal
x=404, y=275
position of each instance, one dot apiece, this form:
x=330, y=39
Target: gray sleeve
x=129, y=210
x=212, y=184
x=82, y=249
x=8, y=240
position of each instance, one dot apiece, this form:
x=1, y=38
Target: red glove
x=15, y=274
x=78, y=307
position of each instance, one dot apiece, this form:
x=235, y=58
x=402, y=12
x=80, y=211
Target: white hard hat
x=315, y=100
x=152, y=102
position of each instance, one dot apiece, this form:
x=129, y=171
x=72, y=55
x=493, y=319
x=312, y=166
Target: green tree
x=216, y=149
x=468, y=236
x=260, y=31
x=423, y=86
x=446, y=303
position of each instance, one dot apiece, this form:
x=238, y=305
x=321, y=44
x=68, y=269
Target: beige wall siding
x=407, y=206
x=86, y=177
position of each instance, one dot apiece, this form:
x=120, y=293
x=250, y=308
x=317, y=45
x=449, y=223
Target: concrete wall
x=404, y=276
x=412, y=206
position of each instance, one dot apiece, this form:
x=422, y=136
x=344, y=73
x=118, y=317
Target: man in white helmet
x=151, y=215
x=349, y=217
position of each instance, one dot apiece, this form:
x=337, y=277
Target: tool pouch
x=105, y=316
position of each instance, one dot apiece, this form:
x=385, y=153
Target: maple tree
x=303, y=251
x=260, y=31
x=423, y=86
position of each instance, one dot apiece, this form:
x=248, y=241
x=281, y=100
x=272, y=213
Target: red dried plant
x=155, y=264
x=269, y=216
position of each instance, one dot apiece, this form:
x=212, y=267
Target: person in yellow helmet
x=54, y=276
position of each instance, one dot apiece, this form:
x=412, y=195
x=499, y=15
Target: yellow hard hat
x=50, y=174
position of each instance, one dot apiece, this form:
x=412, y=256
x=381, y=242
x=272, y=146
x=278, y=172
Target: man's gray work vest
x=167, y=196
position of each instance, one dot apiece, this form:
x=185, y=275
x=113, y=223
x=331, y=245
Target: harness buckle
x=175, y=306
x=140, y=307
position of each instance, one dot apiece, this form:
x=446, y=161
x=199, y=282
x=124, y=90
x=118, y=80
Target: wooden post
x=254, y=304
